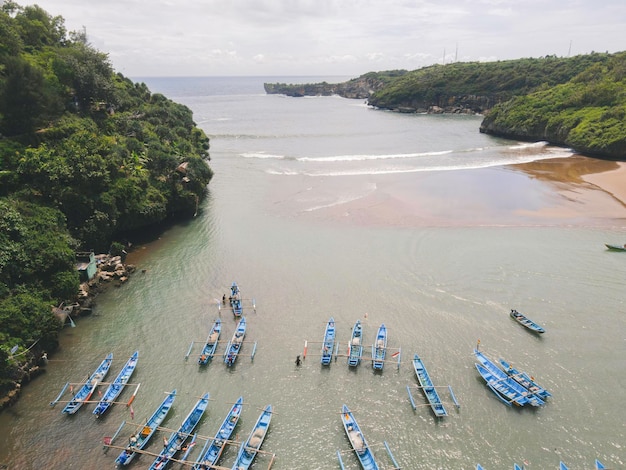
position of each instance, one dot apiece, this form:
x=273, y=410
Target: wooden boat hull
x=428, y=388
x=526, y=322
x=329, y=342
x=234, y=346
x=355, y=349
x=85, y=392
x=357, y=440
x=210, y=345
x=177, y=438
x=235, y=300
x=379, y=348
x=615, y=247
x=116, y=387
x=250, y=448
x=213, y=448
x=524, y=380
x=140, y=439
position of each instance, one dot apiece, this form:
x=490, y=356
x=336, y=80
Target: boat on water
x=177, y=439
x=562, y=466
x=357, y=440
x=210, y=345
x=329, y=342
x=524, y=380
x=116, y=387
x=379, y=348
x=87, y=389
x=212, y=450
x=140, y=439
x=615, y=247
x=505, y=394
x=250, y=448
x=234, y=345
x=599, y=465
x=516, y=467
x=527, y=322
x=428, y=388
x=479, y=467
x=355, y=349
x=502, y=380
x=235, y=300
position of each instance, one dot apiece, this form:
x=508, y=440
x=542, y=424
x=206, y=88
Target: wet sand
x=577, y=190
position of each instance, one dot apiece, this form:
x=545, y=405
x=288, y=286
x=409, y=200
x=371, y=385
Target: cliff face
x=457, y=104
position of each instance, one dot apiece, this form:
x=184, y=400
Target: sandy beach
x=576, y=190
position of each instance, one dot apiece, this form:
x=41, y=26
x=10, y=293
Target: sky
x=149, y=38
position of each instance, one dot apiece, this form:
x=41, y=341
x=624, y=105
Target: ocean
x=323, y=207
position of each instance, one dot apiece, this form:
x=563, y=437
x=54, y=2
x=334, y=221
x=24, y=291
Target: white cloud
x=334, y=37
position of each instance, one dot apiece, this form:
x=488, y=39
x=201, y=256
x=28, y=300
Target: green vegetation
x=588, y=113
x=85, y=156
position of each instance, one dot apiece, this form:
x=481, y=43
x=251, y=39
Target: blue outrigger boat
x=379, y=348
x=516, y=467
x=235, y=300
x=527, y=322
x=212, y=450
x=357, y=440
x=140, y=439
x=562, y=466
x=355, y=348
x=249, y=449
x=524, y=380
x=479, y=467
x=503, y=380
x=502, y=391
x=177, y=438
x=428, y=388
x=234, y=345
x=329, y=342
x=599, y=465
x=116, y=387
x=85, y=392
x=210, y=345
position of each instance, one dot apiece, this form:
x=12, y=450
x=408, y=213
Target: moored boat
x=615, y=247
x=235, y=300
x=562, y=466
x=357, y=440
x=116, y=387
x=524, y=380
x=599, y=465
x=140, y=439
x=250, y=448
x=527, y=322
x=234, y=345
x=428, y=388
x=503, y=380
x=213, y=448
x=504, y=393
x=210, y=345
x=87, y=389
x=355, y=349
x=177, y=438
x=329, y=342
x=379, y=348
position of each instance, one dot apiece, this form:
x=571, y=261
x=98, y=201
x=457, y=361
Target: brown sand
x=564, y=191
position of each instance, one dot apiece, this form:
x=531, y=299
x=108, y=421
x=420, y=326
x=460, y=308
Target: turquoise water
x=301, y=215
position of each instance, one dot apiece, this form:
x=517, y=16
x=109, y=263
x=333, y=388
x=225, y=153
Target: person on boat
x=132, y=441
x=203, y=357
x=298, y=361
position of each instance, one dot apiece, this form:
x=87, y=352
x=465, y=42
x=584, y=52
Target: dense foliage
x=85, y=155
x=588, y=113
x=495, y=81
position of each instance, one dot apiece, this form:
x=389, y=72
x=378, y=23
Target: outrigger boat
x=116, y=387
x=210, y=345
x=177, y=438
x=213, y=448
x=85, y=392
x=329, y=342
x=234, y=345
x=615, y=247
x=355, y=348
x=525, y=380
x=249, y=449
x=504, y=381
x=140, y=439
x=428, y=388
x=379, y=349
x=562, y=466
x=357, y=440
x=527, y=322
x=599, y=465
x=502, y=391
x=235, y=300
